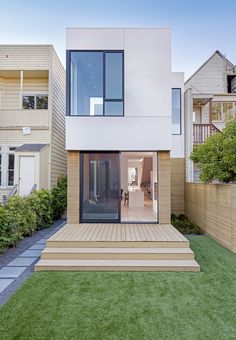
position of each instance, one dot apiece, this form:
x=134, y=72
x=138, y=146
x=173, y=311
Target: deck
x=117, y=247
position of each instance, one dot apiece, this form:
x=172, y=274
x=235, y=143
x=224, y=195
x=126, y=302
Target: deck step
x=117, y=244
x=116, y=265
x=118, y=253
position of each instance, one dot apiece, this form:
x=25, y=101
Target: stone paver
x=37, y=246
x=42, y=241
x=11, y=272
x=31, y=253
x=4, y=283
x=17, y=264
x=22, y=261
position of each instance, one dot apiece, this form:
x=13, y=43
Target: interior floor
x=138, y=214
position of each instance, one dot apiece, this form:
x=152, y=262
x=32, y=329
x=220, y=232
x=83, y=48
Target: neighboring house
x=125, y=144
x=210, y=97
x=121, y=136
x=32, y=118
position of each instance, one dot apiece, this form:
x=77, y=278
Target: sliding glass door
x=100, y=187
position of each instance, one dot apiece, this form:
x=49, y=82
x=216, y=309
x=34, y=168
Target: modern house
x=32, y=118
x=125, y=144
x=210, y=98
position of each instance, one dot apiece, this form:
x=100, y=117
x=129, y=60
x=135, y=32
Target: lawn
x=129, y=305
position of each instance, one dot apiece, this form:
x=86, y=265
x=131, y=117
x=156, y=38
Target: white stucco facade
x=146, y=124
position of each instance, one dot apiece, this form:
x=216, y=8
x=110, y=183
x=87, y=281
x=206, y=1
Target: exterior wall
x=163, y=182
x=211, y=78
x=47, y=126
x=118, y=133
x=58, y=97
x=24, y=57
x=178, y=185
x=73, y=191
x=213, y=208
x=147, y=99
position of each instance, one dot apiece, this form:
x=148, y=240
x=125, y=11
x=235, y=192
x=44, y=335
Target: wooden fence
x=213, y=208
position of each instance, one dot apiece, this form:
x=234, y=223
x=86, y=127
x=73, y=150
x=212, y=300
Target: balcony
x=20, y=118
x=24, y=98
x=202, y=131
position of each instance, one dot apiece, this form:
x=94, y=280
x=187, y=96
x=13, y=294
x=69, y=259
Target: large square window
x=96, y=83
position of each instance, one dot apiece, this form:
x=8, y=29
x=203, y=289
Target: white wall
x=147, y=67
x=118, y=133
x=177, y=149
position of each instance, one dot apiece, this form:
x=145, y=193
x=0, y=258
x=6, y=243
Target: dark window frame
x=180, y=117
x=68, y=82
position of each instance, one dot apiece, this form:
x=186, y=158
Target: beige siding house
x=32, y=110
x=210, y=97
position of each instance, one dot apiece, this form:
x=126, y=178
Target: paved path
x=17, y=264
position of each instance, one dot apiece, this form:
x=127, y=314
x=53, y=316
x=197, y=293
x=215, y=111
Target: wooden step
x=118, y=253
x=117, y=265
x=117, y=244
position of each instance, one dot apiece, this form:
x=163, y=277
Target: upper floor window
x=223, y=110
x=96, y=83
x=35, y=102
x=176, y=111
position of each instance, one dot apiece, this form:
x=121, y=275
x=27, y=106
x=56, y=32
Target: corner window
x=176, y=111
x=35, y=102
x=95, y=81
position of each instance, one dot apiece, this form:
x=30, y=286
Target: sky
x=198, y=27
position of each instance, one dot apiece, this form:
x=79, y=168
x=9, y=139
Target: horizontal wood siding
x=24, y=57
x=213, y=208
x=177, y=185
x=58, y=153
x=15, y=136
x=73, y=187
x=164, y=168
x=20, y=118
x=210, y=78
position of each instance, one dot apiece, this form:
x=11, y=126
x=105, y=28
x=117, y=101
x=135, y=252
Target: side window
x=176, y=111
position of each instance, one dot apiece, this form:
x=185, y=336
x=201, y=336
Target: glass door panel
x=100, y=187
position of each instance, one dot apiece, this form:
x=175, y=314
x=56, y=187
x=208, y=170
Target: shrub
x=41, y=204
x=59, y=198
x=21, y=215
x=9, y=234
x=183, y=225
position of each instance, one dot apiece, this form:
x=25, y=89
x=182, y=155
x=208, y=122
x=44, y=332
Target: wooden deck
x=118, y=233
x=117, y=247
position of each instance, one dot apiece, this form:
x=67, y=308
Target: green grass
x=129, y=305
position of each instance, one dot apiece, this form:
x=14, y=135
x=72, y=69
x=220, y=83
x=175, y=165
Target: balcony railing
x=19, y=118
x=202, y=131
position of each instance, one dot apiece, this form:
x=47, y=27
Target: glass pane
x=114, y=75
x=216, y=111
x=10, y=178
x=176, y=111
x=11, y=162
x=228, y=110
x=28, y=102
x=86, y=97
x=100, y=187
x=42, y=102
x=113, y=108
